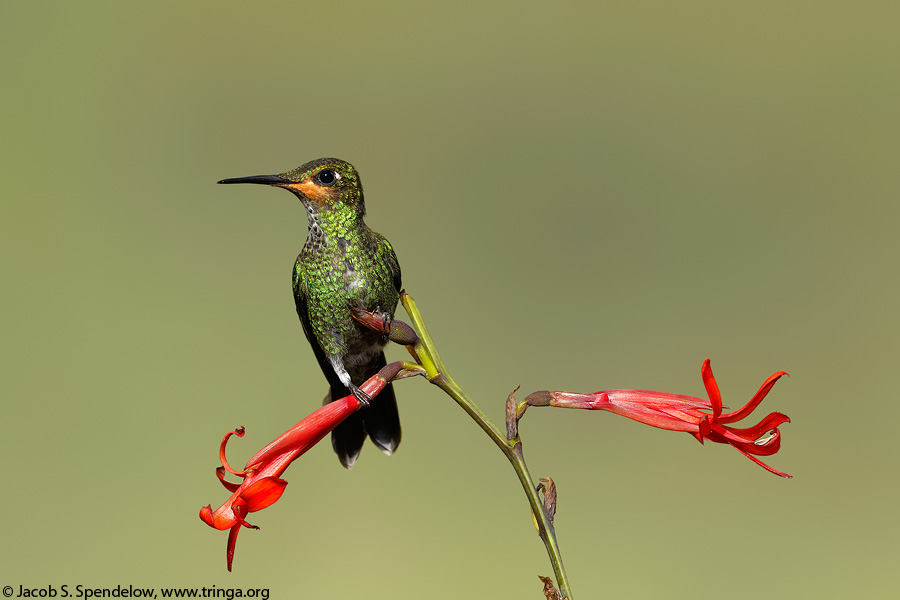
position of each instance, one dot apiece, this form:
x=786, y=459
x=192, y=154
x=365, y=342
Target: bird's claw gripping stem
x=364, y=398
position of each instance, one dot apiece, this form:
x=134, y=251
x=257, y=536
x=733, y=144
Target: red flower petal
x=220, y=519
x=232, y=540
x=712, y=389
x=765, y=466
x=231, y=487
x=704, y=429
x=207, y=515
x=754, y=401
x=240, y=433
x=770, y=422
x=263, y=493
x=723, y=435
x=240, y=510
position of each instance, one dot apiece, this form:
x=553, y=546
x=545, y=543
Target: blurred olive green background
x=582, y=197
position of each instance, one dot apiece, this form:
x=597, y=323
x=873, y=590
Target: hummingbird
x=343, y=265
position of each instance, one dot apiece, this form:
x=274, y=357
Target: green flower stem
x=437, y=374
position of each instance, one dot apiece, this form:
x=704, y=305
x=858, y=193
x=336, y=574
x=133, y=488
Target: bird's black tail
x=380, y=421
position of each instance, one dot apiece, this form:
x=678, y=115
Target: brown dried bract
x=550, y=591
x=512, y=421
x=549, y=497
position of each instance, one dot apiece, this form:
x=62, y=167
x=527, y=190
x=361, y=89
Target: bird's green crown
x=327, y=183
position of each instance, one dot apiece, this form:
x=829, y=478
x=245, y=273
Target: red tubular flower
x=262, y=486
x=686, y=413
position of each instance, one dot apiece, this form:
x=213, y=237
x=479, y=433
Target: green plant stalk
x=437, y=374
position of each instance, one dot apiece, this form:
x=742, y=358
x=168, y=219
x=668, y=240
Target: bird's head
x=324, y=184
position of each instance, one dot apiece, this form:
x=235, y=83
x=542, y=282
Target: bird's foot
x=360, y=395
x=386, y=320
x=397, y=331
x=375, y=320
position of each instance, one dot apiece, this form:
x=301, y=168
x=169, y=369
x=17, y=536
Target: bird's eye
x=327, y=177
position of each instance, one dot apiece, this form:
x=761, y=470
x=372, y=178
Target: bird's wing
x=301, y=300
x=390, y=259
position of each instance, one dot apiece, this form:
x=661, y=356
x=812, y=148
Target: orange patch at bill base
x=313, y=191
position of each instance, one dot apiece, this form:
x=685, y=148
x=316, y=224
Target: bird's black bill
x=263, y=179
